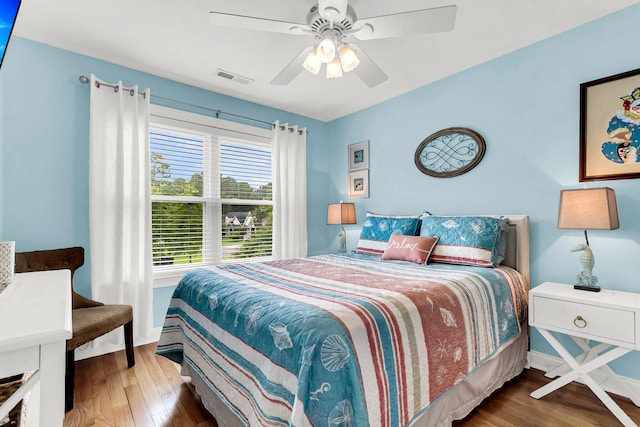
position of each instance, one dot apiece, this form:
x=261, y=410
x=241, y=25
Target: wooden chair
x=91, y=319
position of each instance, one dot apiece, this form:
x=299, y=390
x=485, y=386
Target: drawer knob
x=580, y=322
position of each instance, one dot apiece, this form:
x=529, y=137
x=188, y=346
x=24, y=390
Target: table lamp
x=7, y=263
x=341, y=213
x=588, y=209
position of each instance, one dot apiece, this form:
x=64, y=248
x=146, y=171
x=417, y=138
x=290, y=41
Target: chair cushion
x=90, y=323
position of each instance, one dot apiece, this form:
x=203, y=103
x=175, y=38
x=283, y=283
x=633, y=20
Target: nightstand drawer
x=603, y=324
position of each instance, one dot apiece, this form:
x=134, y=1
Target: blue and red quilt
x=339, y=340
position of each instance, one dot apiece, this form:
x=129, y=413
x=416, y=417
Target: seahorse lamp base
x=585, y=281
x=343, y=241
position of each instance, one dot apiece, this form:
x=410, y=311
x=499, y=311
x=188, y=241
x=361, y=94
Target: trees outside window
x=211, y=194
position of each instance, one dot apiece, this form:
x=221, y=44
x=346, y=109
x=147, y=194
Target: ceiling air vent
x=231, y=76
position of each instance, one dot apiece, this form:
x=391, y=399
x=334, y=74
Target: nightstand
x=611, y=318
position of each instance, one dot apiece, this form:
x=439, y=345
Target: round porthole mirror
x=450, y=152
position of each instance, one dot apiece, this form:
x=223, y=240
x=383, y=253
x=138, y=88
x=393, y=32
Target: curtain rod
x=86, y=80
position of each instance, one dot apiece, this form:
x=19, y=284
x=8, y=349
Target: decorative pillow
x=409, y=248
x=467, y=240
x=377, y=229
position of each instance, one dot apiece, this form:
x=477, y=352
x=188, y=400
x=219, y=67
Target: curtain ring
x=98, y=84
x=116, y=88
x=132, y=92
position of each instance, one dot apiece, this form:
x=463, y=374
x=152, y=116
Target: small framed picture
x=359, y=156
x=359, y=184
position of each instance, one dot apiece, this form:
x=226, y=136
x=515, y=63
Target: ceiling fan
x=334, y=23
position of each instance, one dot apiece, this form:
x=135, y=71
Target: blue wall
x=45, y=197
x=525, y=104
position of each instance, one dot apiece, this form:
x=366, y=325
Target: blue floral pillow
x=377, y=229
x=467, y=240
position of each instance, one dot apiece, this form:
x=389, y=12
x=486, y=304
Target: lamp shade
x=326, y=50
x=348, y=58
x=588, y=209
x=341, y=213
x=334, y=69
x=312, y=63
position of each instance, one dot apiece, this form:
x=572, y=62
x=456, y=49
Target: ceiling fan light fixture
x=348, y=58
x=326, y=50
x=312, y=64
x=334, y=69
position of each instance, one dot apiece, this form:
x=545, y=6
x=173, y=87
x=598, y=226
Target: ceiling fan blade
x=368, y=71
x=292, y=70
x=423, y=21
x=259, y=24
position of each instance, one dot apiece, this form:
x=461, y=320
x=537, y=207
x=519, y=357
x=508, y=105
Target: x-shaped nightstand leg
x=590, y=353
x=582, y=371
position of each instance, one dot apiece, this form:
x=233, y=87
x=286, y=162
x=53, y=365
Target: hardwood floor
x=154, y=394
x=151, y=394
x=574, y=405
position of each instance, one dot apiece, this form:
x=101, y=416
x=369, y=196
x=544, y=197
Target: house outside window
x=211, y=183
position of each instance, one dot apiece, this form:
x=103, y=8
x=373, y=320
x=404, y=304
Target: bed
x=351, y=339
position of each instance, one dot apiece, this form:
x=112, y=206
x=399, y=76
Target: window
x=210, y=191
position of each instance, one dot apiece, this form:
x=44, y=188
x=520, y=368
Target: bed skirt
x=456, y=404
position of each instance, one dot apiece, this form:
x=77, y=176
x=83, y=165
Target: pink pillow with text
x=409, y=248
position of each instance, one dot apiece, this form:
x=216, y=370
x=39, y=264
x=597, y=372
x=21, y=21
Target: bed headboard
x=518, y=245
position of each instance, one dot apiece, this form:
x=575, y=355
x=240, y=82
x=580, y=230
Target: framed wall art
x=359, y=156
x=610, y=127
x=449, y=152
x=359, y=184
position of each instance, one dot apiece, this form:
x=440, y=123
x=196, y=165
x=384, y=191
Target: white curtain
x=120, y=202
x=289, y=191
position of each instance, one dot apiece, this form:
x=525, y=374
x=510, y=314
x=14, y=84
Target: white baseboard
x=94, y=349
x=546, y=363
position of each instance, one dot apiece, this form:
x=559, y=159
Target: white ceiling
x=174, y=39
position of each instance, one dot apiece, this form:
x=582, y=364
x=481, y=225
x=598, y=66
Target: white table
x=611, y=318
x=35, y=322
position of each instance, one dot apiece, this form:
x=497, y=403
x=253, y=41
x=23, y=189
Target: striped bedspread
x=339, y=340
